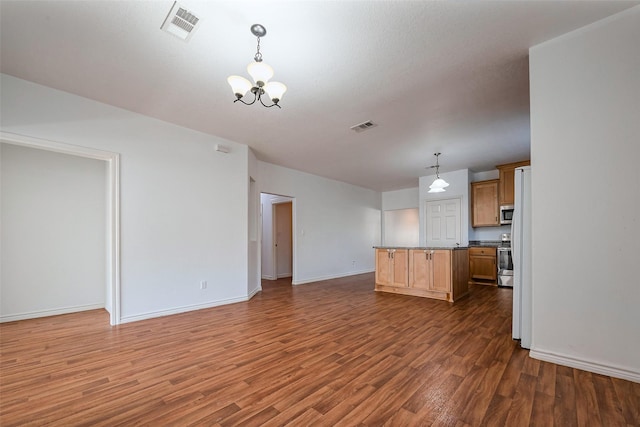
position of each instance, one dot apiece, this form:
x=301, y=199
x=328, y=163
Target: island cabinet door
x=400, y=267
x=441, y=265
x=420, y=268
x=383, y=267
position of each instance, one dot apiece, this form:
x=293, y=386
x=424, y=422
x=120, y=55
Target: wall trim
x=113, y=209
x=184, y=309
x=47, y=313
x=329, y=277
x=253, y=292
x=585, y=365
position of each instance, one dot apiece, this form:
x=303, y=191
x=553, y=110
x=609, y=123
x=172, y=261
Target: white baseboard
x=333, y=276
x=253, y=292
x=182, y=309
x=268, y=277
x=47, y=313
x=585, y=365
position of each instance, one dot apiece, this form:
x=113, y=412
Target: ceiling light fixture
x=437, y=186
x=261, y=73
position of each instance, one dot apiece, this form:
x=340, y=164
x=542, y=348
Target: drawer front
x=482, y=251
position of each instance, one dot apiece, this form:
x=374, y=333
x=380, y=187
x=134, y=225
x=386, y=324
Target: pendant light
x=439, y=185
x=260, y=72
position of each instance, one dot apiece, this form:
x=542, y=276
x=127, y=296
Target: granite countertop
x=488, y=244
x=421, y=247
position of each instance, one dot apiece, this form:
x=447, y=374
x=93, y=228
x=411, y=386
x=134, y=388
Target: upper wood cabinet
x=507, y=178
x=484, y=203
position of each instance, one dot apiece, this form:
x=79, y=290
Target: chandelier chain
x=258, y=57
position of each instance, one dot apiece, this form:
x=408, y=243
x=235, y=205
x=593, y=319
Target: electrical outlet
x=353, y=263
x=203, y=284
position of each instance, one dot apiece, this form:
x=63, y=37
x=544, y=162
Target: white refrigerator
x=521, y=255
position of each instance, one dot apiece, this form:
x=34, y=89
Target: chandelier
x=261, y=73
x=439, y=184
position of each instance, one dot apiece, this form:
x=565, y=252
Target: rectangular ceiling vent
x=180, y=22
x=363, y=126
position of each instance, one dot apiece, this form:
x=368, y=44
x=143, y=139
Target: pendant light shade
x=439, y=183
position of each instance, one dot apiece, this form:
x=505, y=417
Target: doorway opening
x=112, y=214
x=278, y=238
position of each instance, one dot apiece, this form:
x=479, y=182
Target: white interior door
x=283, y=239
x=443, y=223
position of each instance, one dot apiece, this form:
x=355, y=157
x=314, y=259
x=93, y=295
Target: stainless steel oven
x=505, y=262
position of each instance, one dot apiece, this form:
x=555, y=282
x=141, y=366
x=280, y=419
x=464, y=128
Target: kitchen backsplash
x=488, y=233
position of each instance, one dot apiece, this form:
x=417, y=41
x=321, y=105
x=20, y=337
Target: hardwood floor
x=331, y=353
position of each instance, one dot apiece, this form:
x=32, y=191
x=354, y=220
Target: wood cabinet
x=484, y=203
x=429, y=269
x=507, y=182
x=432, y=273
x=482, y=266
x=392, y=267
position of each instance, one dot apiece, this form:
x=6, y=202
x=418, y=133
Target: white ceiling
x=435, y=76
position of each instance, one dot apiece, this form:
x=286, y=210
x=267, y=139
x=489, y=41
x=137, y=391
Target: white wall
x=335, y=226
x=400, y=199
x=53, y=233
x=585, y=130
x=253, y=217
x=458, y=188
x=401, y=227
x=400, y=217
x=184, y=210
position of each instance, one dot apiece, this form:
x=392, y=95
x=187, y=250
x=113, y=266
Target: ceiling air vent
x=363, y=126
x=180, y=22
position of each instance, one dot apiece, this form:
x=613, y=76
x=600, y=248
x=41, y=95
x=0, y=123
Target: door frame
x=441, y=199
x=113, y=205
x=280, y=198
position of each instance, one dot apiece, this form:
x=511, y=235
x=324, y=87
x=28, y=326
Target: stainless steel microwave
x=506, y=214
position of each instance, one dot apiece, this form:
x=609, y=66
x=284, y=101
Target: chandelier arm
x=255, y=97
x=268, y=106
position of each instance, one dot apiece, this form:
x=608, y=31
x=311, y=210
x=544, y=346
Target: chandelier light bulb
x=239, y=85
x=260, y=72
x=275, y=90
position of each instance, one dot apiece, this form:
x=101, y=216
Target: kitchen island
x=440, y=273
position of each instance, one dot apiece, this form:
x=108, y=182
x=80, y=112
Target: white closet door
x=443, y=223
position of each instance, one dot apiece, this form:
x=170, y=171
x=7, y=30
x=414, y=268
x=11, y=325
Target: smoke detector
x=180, y=22
x=363, y=126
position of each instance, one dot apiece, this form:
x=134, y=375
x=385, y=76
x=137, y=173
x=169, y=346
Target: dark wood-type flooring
x=323, y=354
